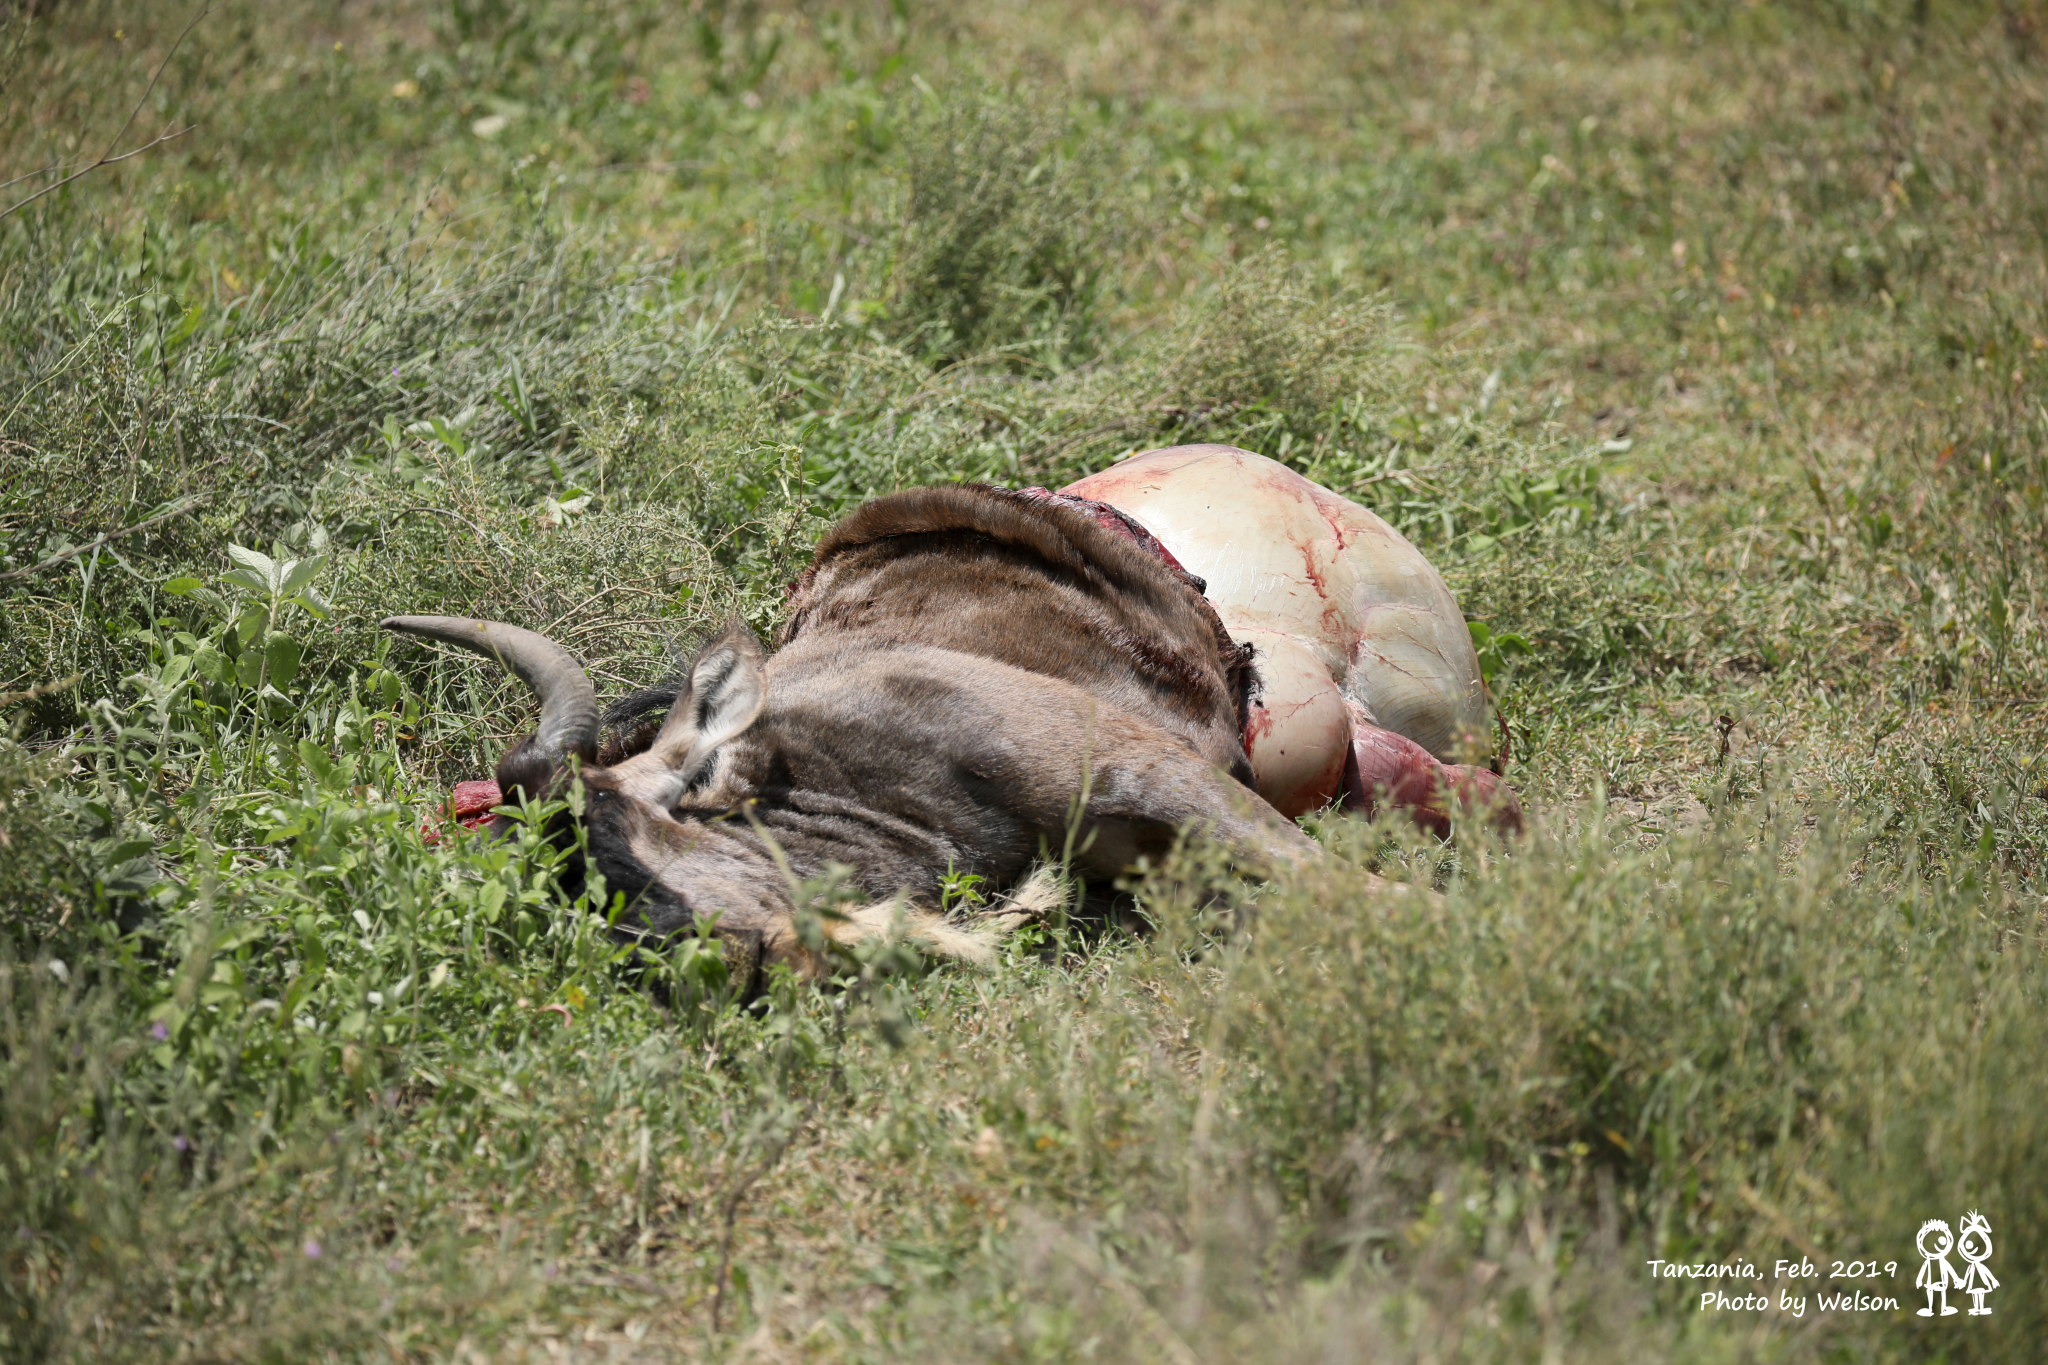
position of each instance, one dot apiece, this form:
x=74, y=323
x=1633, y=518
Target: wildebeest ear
x=723, y=695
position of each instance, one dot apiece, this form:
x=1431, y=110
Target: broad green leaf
x=300, y=572
x=490, y=898
x=126, y=850
x=181, y=586
x=238, y=934
x=213, y=665
x=295, y=994
x=282, y=652
x=312, y=947
x=249, y=668
x=253, y=560
x=316, y=760
x=449, y=435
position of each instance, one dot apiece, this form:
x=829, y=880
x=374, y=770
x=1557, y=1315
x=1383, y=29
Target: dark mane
x=1061, y=536
x=628, y=725
x=1067, y=541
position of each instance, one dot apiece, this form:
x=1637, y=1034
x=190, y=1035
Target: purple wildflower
x=182, y=1143
x=159, y=1030
x=312, y=1249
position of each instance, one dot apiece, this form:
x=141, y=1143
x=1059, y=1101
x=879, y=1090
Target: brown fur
x=968, y=680
x=1038, y=586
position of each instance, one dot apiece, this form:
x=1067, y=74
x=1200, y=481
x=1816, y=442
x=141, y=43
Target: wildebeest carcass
x=966, y=675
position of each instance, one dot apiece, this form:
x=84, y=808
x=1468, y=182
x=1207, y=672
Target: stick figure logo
x=1974, y=1246
x=1934, y=1241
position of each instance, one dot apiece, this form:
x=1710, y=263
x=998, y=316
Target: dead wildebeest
x=966, y=675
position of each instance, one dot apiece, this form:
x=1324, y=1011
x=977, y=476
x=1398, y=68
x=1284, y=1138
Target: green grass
x=1702, y=348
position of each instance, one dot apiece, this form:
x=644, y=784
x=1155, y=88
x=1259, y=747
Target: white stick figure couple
x=1934, y=1243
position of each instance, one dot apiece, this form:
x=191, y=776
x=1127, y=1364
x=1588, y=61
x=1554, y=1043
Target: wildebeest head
x=629, y=806
x=655, y=821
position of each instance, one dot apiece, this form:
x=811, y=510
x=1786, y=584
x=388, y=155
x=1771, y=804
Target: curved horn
x=568, y=703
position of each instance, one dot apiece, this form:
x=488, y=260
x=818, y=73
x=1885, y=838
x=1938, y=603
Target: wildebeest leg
x=1137, y=807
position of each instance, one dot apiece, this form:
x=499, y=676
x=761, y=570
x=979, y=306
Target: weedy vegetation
x=1704, y=348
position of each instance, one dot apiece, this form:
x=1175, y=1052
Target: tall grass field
x=1703, y=347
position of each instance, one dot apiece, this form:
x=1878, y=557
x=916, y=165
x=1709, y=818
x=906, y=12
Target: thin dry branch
x=108, y=158
x=40, y=690
x=75, y=551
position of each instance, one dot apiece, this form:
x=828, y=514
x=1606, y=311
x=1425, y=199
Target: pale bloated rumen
x=1370, y=686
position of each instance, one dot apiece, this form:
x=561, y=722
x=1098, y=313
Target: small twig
x=39, y=690
x=599, y=596
x=92, y=545
x=50, y=169
x=103, y=161
x=107, y=158
x=481, y=534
